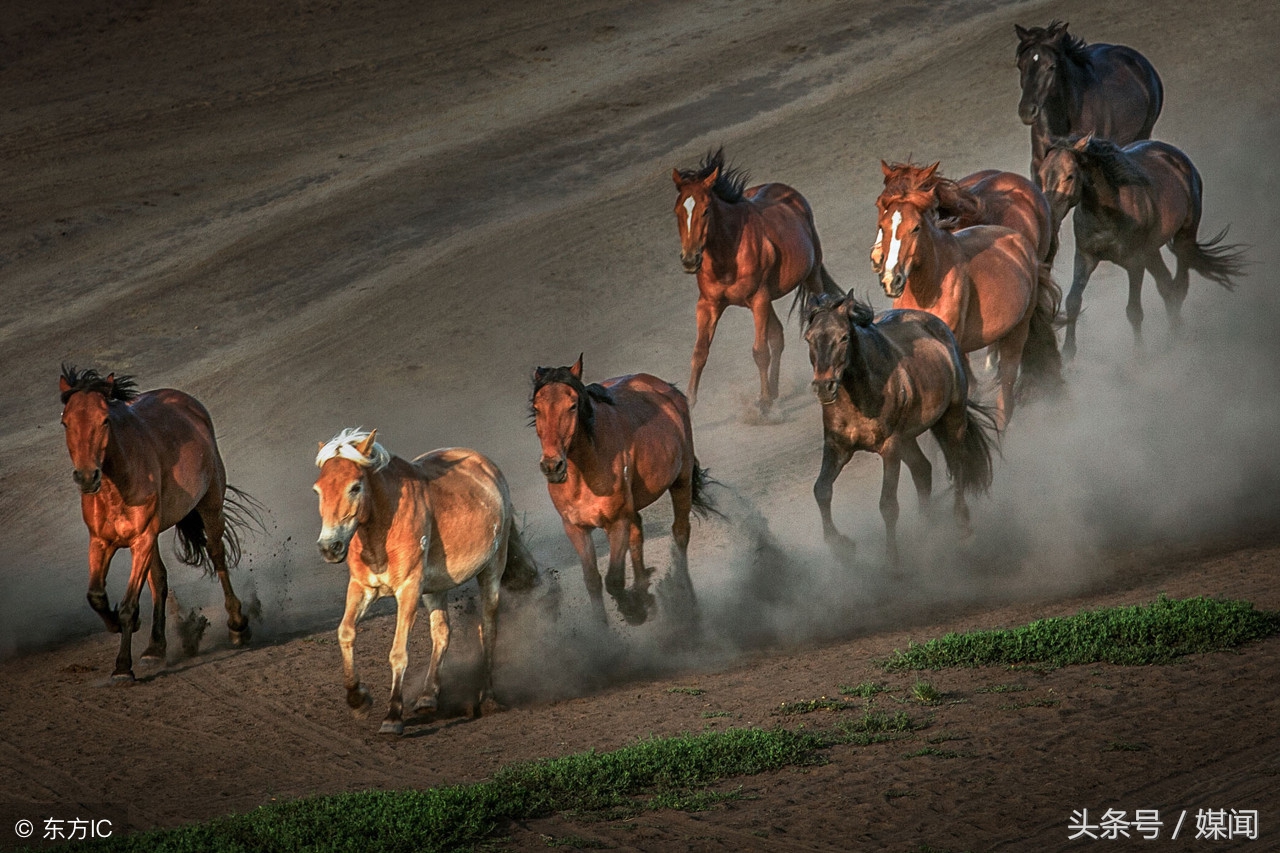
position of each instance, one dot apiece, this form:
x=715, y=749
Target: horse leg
x=100, y=554
x=777, y=342
x=580, y=538
x=438, y=615
x=708, y=315
x=406, y=614
x=763, y=314
x=158, y=578
x=1133, y=310
x=1084, y=267
x=215, y=525
x=1167, y=287
x=642, y=573
x=359, y=597
x=921, y=471
x=835, y=455
x=615, y=577
x=681, y=507
x=142, y=550
x=889, y=501
x=1007, y=374
x=489, y=580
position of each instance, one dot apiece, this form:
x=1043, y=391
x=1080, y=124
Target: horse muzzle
x=895, y=283
x=332, y=550
x=692, y=262
x=556, y=469
x=1028, y=112
x=89, y=483
x=825, y=390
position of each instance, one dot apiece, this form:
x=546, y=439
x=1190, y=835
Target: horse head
x=693, y=217
x=1037, y=66
x=1062, y=176
x=901, y=211
x=345, y=463
x=560, y=408
x=86, y=418
x=829, y=332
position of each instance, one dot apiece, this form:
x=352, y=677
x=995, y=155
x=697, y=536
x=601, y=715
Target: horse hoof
x=241, y=637
x=489, y=706
x=425, y=705
x=392, y=727
x=152, y=657
x=125, y=677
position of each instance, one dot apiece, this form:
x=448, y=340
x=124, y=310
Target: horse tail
x=701, y=502
x=829, y=286
x=969, y=458
x=1041, y=360
x=1215, y=260
x=521, y=571
x=240, y=510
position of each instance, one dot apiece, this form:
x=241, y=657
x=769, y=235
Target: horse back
x=1011, y=200
x=1123, y=96
x=170, y=433
x=1173, y=194
x=649, y=423
x=470, y=508
x=780, y=225
x=1002, y=270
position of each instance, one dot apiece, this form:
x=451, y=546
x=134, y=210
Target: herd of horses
x=967, y=263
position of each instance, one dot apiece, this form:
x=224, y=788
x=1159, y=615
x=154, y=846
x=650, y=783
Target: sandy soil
x=317, y=215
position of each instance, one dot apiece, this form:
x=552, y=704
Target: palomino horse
x=416, y=530
x=1070, y=87
x=608, y=451
x=144, y=463
x=1129, y=202
x=747, y=247
x=882, y=382
x=989, y=197
x=985, y=282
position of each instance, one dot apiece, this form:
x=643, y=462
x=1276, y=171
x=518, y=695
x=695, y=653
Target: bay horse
x=882, y=382
x=1129, y=202
x=1070, y=87
x=145, y=462
x=984, y=281
x=416, y=529
x=747, y=247
x=608, y=451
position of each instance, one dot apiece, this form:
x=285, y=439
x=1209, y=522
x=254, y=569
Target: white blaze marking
x=879, y=239
x=689, y=204
x=894, y=243
x=1035, y=58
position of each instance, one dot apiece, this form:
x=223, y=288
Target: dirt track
x=314, y=217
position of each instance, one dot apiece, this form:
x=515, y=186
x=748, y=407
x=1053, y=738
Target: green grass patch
x=1125, y=746
x=876, y=727
x=934, y=751
x=1003, y=688
x=808, y=706
x=925, y=693
x=1141, y=634
x=865, y=690
x=658, y=773
x=1030, y=703
x=686, y=691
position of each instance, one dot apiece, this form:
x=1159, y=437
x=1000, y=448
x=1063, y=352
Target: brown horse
x=985, y=282
x=144, y=463
x=416, y=530
x=747, y=247
x=989, y=197
x=882, y=382
x=1129, y=202
x=608, y=451
x=1070, y=87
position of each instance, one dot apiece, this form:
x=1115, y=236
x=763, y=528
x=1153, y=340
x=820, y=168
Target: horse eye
x=914, y=230
x=355, y=488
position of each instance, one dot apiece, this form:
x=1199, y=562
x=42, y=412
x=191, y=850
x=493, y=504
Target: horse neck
x=590, y=454
x=1065, y=98
x=925, y=280
x=728, y=221
x=385, y=487
x=125, y=447
x=865, y=373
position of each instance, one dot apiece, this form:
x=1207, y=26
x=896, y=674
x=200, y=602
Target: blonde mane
x=343, y=446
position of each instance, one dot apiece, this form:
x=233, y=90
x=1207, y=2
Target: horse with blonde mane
x=416, y=529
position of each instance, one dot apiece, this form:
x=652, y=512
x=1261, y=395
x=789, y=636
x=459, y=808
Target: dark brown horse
x=1129, y=202
x=747, y=247
x=883, y=381
x=608, y=451
x=145, y=463
x=989, y=197
x=1070, y=87
x=985, y=282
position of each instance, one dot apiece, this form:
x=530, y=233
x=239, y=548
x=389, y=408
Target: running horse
x=1129, y=202
x=608, y=451
x=415, y=530
x=146, y=462
x=747, y=247
x=882, y=382
x=1073, y=88
x=986, y=282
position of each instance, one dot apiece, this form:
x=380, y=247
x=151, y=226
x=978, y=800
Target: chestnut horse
x=1070, y=87
x=1129, y=202
x=883, y=381
x=608, y=451
x=144, y=463
x=416, y=530
x=985, y=282
x=747, y=247
x=989, y=197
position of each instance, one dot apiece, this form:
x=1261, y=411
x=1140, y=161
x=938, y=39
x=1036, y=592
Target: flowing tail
x=521, y=572
x=702, y=504
x=240, y=510
x=1215, y=260
x=969, y=458
x=829, y=287
x=1041, y=360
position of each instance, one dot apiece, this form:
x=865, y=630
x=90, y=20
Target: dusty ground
x=321, y=215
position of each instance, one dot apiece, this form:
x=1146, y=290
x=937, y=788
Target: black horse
x=1072, y=88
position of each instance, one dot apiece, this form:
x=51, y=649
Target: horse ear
x=319, y=446
x=366, y=447
x=63, y=385
x=576, y=369
x=539, y=372
x=675, y=176
x=886, y=168
x=710, y=180
x=928, y=173
x=1082, y=144
x=1057, y=28
x=1023, y=35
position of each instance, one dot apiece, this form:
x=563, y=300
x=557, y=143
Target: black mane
x=588, y=395
x=860, y=313
x=1116, y=166
x=730, y=183
x=1055, y=37
x=122, y=386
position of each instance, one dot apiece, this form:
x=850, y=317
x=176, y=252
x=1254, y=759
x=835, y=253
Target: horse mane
x=907, y=183
x=1116, y=166
x=859, y=313
x=343, y=446
x=122, y=387
x=1056, y=37
x=956, y=206
x=588, y=395
x=730, y=183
